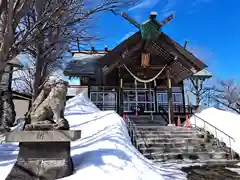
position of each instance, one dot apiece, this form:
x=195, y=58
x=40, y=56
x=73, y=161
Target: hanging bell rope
x=142, y=80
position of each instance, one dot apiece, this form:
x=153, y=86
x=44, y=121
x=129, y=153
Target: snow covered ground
x=226, y=121
x=104, y=151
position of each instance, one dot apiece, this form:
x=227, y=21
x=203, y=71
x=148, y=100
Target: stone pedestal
x=43, y=155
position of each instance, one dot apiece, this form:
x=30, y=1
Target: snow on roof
x=85, y=57
x=82, y=64
x=205, y=73
x=224, y=120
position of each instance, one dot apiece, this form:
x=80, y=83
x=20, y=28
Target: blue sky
x=211, y=27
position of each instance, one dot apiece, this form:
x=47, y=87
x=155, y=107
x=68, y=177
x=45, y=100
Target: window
x=163, y=98
x=93, y=97
x=105, y=100
x=177, y=98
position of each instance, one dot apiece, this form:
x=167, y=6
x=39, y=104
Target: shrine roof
x=181, y=62
x=203, y=74
x=84, y=63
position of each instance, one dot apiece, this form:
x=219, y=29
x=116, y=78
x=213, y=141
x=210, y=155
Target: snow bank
x=104, y=151
x=226, y=121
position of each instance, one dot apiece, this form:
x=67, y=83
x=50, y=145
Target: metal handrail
x=215, y=129
x=178, y=108
x=131, y=130
x=164, y=113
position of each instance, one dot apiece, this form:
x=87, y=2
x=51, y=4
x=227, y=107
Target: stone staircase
x=146, y=120
x=170, y=144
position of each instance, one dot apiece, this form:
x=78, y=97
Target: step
x=157, y=131
x=170, y=145
x=190, y=140
x=163, y=128
x=166, y=134
x=157, y=136
x=146, y=123
x=169, y=148
x=188, y=162
x=180, y=147
x=193, y=156
x=196, y=145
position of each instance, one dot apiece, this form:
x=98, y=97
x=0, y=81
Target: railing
x=131, y=131
x=178, y=108
x=103, y=107
x=73, y=90
x=103, y=88
x=215, y=129
x=163, y=113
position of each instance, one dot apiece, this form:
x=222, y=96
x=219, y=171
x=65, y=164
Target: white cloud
x=169, y=8
x=125, y=36
x=196, y=3
x=145, y=4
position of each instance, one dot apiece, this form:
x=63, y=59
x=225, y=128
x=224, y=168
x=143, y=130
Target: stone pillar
x=170, y=101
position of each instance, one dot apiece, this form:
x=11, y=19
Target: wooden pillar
x=155, y=96
x=183, y=100
x=120, y=92
x=197, y=92
x=170, y=101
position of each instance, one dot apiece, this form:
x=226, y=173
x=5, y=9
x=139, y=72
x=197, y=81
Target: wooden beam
x=170, y=101
x=124, y=60
x=189, y=65
x=121, y=79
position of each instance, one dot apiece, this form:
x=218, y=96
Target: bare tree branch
x=227, y=93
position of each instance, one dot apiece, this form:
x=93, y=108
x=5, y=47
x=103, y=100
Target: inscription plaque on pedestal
x=42, y=158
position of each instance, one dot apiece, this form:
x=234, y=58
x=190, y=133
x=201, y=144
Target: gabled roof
x=203, y=74
x=83, y=64
x=185, y=65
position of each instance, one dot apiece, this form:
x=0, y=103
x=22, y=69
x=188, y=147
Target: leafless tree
x=198, y=89
x=24, y=23
x=227, y=94
x=44, y=28
x=68, y=19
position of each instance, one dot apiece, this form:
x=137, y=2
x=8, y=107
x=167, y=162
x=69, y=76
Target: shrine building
x=144, y=72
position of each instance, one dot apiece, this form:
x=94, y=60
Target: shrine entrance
x=144, y=99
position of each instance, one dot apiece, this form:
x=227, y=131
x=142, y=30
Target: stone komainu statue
x=47, y=110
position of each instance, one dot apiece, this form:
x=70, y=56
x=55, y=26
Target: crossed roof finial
x=151, y=28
